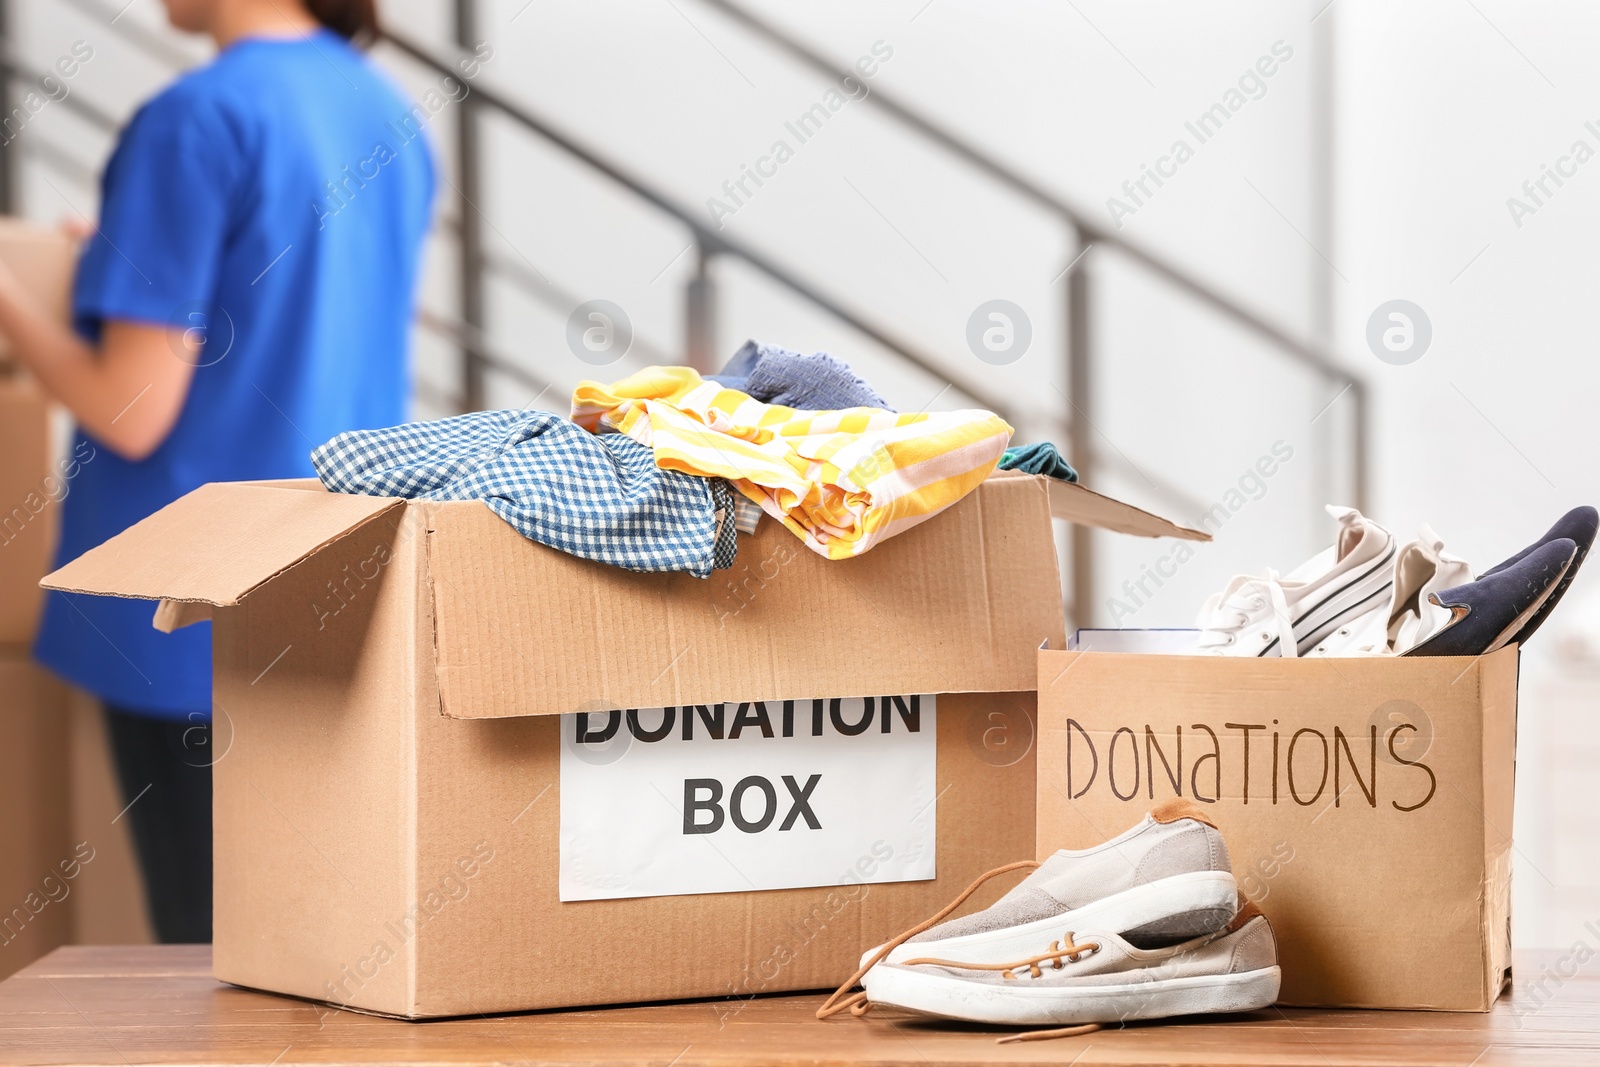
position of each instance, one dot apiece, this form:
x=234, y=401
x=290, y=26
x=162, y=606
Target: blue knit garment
x=817, y=382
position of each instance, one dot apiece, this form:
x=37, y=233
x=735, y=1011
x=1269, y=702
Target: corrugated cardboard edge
x=333, y=1007
x=172, y=614
x=428, y=602
x=95, y=573
x=335, y=539
x=1498, y=676
x=1079, y=504
x=176, y=614
x=1068, y=501
x=998, y=591
x=426, y=699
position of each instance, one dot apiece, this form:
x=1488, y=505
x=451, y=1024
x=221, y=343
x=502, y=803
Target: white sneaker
x=1421, y=568
x=1168, y=876
x=1087, y=976
x=1161, y=930
x=1291, y=615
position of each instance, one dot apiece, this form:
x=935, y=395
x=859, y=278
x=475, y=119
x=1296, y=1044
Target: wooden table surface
x=160, y=1005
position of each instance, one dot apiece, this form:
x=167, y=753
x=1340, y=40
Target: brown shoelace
x=857, y=1003
x=1057, y=957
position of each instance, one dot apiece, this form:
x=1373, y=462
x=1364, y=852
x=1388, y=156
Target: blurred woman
x=246, y=295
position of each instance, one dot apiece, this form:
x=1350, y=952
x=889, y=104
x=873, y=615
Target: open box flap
x=957, y=604
x=1078, y=504
x=216, y=544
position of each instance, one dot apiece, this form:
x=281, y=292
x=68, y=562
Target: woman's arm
x=126, y=394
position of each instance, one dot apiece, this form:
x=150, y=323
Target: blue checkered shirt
x=598, y=497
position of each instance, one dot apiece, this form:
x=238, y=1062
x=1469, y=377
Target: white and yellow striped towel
x=841, y=480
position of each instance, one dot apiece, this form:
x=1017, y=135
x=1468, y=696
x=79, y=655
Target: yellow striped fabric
x=841, y=480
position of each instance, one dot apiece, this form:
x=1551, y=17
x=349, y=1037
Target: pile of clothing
x=661, y=470
x=1370, y=595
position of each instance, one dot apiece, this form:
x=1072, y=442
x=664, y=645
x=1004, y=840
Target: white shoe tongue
x=1420, y=569
x=1352, y=528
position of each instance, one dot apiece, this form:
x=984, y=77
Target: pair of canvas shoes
x=1147, y=925
x=1370, y=595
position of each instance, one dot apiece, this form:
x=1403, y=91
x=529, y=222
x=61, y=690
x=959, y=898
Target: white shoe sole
x=1021, y=1004
x=1115, y=914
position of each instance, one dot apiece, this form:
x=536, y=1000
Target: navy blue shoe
x=1490, y=613
x=1577, y=526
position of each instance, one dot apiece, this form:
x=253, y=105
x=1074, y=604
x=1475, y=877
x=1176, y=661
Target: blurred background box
x=62, y=813
x=35, y=835
x=57, y=786
x=30, y=491
x=43, y=259
x=108, y=906
x=35, y=916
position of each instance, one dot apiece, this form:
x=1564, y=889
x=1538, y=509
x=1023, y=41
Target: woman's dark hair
x=356, y=20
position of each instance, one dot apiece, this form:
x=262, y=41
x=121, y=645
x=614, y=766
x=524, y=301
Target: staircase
x=462, y=357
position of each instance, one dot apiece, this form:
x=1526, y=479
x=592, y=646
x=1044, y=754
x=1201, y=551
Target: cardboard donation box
x=459, y=772
x=1366, y=802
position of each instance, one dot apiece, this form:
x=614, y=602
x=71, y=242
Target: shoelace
x=858, y=1005
x=1057, y=957
x=1223, y=617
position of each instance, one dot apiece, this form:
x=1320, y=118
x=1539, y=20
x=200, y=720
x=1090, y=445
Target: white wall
x=916, y=241
x=1445, y=110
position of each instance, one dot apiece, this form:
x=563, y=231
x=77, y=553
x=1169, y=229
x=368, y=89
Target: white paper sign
x=728, y=798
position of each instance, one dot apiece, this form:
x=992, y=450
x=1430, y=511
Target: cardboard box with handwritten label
x=1366, y=802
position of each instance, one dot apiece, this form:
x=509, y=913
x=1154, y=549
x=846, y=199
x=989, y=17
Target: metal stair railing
x=709, y=243
x=1086, y=234
x=468, y=331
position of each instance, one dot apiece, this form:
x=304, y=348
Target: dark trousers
x=164, y=768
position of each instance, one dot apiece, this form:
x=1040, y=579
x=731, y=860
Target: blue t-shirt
x=273, y=203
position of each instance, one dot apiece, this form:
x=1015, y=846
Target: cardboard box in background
x=108, y=905
x=391, y=678
x=1366, y=802
x=29, y=501
x=39, y=866
x=44, y=260
x=67, y=871
x=35, y=843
